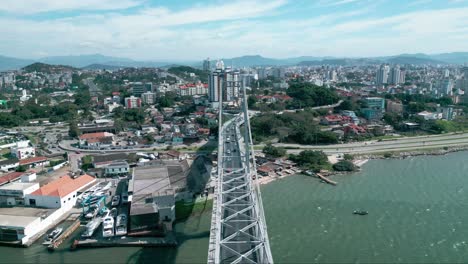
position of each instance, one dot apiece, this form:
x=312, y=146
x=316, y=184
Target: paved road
x=399, y=144
x=94, y=90
x=67, y=145
x=232, y=162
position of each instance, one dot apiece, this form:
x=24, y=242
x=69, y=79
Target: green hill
x=47, y=68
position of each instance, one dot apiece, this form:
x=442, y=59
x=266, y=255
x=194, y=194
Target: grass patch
x=184, y=211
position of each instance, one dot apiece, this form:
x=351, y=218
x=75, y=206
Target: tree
x=310, y=159
x=309, y=95
x=346, y=105
x=21, y=168
x=392, y=118
x=348, y=157
x=251, y=101
x=344, y=165
x=73, y=130
x=273, y=151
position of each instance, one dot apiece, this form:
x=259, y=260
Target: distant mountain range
x=98, y=61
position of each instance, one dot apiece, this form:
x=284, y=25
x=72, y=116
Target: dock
x=56, y=243
x=325, y=179
x=168, y=241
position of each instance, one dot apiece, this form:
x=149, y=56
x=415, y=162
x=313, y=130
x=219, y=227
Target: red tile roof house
x=60, y=193
x=12, y=176
x=94, y=140
x=34, y=162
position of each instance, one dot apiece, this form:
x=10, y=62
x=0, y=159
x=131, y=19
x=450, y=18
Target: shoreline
x=361, y=159
x=408, y=154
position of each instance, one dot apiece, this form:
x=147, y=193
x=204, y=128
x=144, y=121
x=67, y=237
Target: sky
x=193, y=30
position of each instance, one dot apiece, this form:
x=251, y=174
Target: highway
x=237, y=211
x=397, y=144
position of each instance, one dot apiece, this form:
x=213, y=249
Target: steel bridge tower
x=238, y=229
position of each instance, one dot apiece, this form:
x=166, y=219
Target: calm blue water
x=417, y=213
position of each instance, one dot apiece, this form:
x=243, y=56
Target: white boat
x=108, y=227
x=121, y=225
x=121, y=230
x=108, y=232
x=115, y=200
x=54, y=234
x=91, y=227
x=92, y=212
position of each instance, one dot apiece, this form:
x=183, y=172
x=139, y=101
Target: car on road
x=77, y=152
x=115, y=200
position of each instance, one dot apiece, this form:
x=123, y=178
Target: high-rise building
x=223, y=80
x=138, y=88
x=333, y=76
x=444, y=87
x=148, y=97
x=395, y=75
x=149, y=87
x=382, y=75
x=465, y=72
x=446, y=73
x=402, y=75
x=207, y=65
x=262, y=74
x=279, y=73
x=132, y=102
x=375, y=108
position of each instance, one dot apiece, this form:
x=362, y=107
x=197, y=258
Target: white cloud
x=40, y=6
x=233, y=29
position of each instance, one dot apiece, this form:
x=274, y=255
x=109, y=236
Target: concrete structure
x=13, y=193
x=444, y=87
x=148, y=98
x=22, y=150
x=207, y=65
x=227, y=80
x=429, y=115
x=262, y=74
x=60, y=193
x=138, y=89
x=395, y=75
x=132, y=102
x=375, y=108
x=22, y=224
x=34, y=162
x=279, y=73
x=96, y=140
x=117, y=168
x=8, y=164
x=382, y=75
x=152, y=197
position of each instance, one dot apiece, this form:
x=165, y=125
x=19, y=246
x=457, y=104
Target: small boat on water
x=357, y=212
x=53, y=235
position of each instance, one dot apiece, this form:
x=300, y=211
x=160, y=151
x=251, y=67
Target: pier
x=168, y=241
x=325, y=179
x=56, y=243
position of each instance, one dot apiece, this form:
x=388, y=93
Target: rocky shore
x=407, y=154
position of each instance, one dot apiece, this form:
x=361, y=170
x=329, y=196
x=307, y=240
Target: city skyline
x=182, y=30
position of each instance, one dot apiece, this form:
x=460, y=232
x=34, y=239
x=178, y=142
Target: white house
x=22, y=150
x=60, y=193
x=13, y=193
x=9, y=164
x=117, y=168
